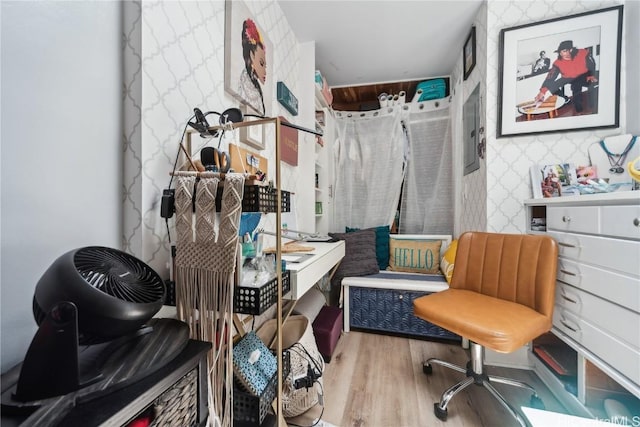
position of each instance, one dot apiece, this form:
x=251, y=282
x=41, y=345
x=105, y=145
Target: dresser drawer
x=614, y=320
x=612, y=351
x=611, y=254
x=585, y=219
x=621, y=221
x=617, y=288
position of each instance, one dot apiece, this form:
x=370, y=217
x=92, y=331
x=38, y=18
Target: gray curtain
x=369, y=157
x=427, y=193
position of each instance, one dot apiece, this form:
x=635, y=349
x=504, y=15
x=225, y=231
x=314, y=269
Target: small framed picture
x=469, y=53
x=252, y=135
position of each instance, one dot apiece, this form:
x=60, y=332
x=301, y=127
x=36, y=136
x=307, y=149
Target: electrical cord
x=319, y=367
x=175, y=163
x=289, y=423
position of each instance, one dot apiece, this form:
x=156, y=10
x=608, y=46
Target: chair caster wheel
x=440, y=413
x=536, y=402
x=427, y=369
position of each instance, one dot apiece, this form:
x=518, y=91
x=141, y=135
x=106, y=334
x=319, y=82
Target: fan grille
x=119, y=274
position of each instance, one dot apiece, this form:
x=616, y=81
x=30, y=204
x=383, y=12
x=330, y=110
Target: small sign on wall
x=288, y=144
x=287, y=99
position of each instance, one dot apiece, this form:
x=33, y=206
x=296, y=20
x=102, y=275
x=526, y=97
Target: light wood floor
x=377, y=380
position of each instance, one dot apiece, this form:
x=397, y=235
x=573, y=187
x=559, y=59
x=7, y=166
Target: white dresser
x=597, y=310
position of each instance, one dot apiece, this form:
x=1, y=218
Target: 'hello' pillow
x=414, y=256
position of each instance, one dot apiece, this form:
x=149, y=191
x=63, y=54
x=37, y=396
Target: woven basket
x=297, y=332
x=178, y=406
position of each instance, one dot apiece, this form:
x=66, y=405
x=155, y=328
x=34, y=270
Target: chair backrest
x=519, y=268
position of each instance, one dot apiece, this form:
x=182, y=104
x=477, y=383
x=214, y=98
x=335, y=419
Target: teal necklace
x=617, y=160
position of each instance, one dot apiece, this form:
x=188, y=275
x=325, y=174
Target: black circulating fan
x=94, y=307
x=114, y=292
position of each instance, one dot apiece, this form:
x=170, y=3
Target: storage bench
x=383, y=302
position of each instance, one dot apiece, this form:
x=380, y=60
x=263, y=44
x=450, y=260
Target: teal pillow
x=382, y=244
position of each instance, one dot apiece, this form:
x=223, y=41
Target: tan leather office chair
x=501, y=297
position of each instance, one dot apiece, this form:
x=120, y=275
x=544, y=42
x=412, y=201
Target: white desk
x=305, y=274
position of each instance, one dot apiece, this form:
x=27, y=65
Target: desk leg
x=345, y=308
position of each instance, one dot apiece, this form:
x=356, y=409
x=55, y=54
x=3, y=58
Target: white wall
x=631, y=20
x=61, y=139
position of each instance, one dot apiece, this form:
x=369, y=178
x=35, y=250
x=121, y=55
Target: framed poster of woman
x=248, y=56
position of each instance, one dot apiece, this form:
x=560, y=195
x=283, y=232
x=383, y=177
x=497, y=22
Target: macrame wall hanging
x=204, y=269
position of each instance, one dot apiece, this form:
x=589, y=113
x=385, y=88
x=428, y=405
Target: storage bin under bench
x=384, y=302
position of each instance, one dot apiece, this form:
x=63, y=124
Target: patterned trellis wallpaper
x=174, y=61
x=491, y=198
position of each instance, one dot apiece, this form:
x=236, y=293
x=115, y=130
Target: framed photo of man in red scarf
x=579, y=85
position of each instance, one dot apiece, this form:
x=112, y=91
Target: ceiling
x=363, y=42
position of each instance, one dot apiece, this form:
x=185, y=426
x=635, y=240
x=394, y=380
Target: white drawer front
x=614, y=254
x=615, y=353
x=574, y=218
x=617, y=288
x=610, y=318
x=622, y=221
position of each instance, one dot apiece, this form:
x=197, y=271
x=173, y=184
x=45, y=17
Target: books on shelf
x=554, y=180
x=253, y=364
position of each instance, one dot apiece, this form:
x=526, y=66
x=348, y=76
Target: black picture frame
x=471, y=132
x=590, y=100
x=469, y=53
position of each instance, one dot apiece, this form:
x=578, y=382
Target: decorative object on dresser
x=500, y=297
x=581, y=89
x=597, y=313
x=554, y=180
x=610, y=156
x=633, y=168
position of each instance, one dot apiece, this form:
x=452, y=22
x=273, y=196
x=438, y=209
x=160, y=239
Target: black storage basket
x=259, y=198
x=253, y=409
x=252, y=300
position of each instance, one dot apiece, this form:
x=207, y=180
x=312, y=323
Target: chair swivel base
x=475, y=374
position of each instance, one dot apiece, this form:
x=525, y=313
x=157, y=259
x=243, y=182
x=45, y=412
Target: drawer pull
x=568, y=245
x=566, y=218
x=571, y=328
x=568, y=273
x=566, y=298
x=636, y=222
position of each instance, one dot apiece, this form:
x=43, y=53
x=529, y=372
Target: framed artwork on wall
x=469, y=53
x=561, y=74
x=252, y=135
x=471, y=131
x=248, y=54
